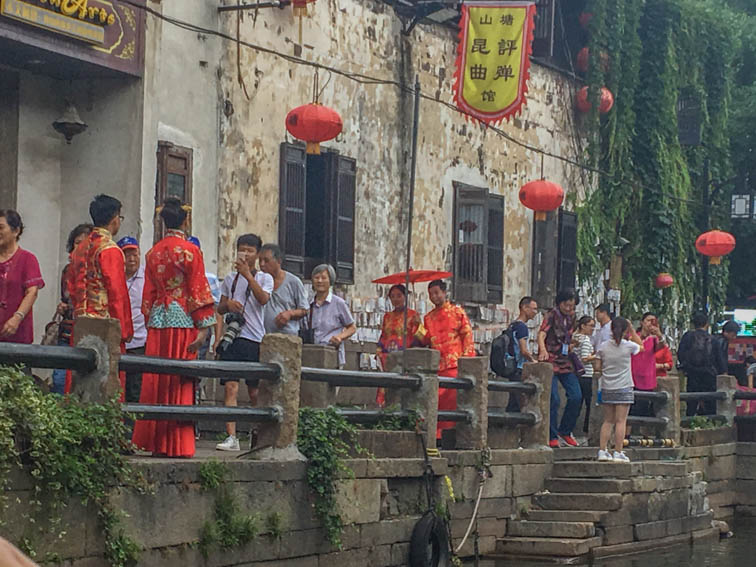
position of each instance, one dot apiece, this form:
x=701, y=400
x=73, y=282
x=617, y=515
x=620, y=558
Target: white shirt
x=254, y=327
x=616, y=373
x=602, y=335
x=135, y=285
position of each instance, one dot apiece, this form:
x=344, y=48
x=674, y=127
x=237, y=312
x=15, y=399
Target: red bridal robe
x=392, y=339
x=96, y=284
x=449, y=332
x=176, y=302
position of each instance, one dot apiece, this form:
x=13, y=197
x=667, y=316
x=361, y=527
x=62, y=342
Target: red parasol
x=415, y=276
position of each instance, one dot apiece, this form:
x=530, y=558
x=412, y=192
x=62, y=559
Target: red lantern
x=605, y=104
x=664, y=280
x=300, y=6
x=715, y=244
x=584, y=19
x=583, y=58
x=314, y=123
x=541, y=196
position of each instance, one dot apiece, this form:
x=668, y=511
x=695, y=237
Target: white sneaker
x=604, y=456
x=620, y=457
x=230, y=444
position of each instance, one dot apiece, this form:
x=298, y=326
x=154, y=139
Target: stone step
x=572, y=530
x=546, y=546
x=595, y=469
x=635, y=453
x=594, y=516
x=578, y=501
x=589, y=485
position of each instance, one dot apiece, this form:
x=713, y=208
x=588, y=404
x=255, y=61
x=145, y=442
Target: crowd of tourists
x=625, y=359
x=170, y=306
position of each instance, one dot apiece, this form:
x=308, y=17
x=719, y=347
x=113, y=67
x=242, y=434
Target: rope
x=474, y=515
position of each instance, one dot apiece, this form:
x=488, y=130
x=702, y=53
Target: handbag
x=307, y=335
x=577, y=364
x=52, y=331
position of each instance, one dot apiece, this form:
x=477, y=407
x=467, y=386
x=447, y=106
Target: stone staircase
x=601, y=509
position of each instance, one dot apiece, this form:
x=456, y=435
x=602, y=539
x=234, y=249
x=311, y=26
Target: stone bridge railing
x=292, y=374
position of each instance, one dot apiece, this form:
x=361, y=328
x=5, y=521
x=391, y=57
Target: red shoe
x=554, y=443
x=570, y=440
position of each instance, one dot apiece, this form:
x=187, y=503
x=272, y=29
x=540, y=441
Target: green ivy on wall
x=650, y=190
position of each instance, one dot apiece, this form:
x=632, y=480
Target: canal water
x=738, y=551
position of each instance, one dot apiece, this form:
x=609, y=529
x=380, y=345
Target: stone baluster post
x=424, y=400
x=670, y=410
x=727, y=407
x=104, y=337
x=473, y=435
x=540, y=374
x=318, y=394
x=280, y=437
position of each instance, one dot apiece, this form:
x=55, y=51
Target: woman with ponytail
x=179, y=310
x=616, y=386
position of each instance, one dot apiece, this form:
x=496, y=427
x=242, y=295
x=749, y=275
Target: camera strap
x=246, y=293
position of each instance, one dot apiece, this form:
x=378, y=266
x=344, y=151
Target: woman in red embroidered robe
x=179, y=308
x=448, y=330
x=392, y=331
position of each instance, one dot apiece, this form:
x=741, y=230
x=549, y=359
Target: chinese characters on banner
x=493, y=58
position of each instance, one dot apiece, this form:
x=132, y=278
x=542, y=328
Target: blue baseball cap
x=196, y=241
x=128, y=242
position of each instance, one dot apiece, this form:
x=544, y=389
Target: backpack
x=503, y=359
x=699, y=355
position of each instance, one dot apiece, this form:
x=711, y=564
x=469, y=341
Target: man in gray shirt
x=288, y=302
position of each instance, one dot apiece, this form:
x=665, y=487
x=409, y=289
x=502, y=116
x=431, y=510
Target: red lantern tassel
x=313, y=148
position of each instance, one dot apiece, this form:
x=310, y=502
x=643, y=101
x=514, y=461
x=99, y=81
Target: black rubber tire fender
x=429, y=546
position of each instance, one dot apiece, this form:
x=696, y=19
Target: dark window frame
x=169, y=160
x=554, y=256
x=339, y=212
x=477, y=258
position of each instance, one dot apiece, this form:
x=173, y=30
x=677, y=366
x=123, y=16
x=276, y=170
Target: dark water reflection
x=739, y=551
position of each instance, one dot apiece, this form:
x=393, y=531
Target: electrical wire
x=368, y=80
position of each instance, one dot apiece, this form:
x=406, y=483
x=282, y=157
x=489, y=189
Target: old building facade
x=467, y=216
x=201, y=116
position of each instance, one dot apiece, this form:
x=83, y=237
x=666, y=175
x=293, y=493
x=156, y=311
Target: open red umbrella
x=415, y=276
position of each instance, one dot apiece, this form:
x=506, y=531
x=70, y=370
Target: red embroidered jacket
x=176, y=292
x=449, y=332
x=97, y=281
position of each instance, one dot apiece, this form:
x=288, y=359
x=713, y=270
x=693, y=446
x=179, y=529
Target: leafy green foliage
x=212, y=474
x=392, y=420
x=702, y=422
x=70, y=450
x=324, y=438
x=229, y=528
x=274, y=524
x=650, y=193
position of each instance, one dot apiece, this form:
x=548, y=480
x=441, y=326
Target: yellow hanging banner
x=493, y=58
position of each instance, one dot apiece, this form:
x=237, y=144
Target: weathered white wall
x=181, y=106
x=57, y=181
x=364, y=36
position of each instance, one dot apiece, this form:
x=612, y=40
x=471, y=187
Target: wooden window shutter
x=174, y=179
x=470, y=243
x=291, y=208
x=567, y=266
x=342, y=204
x=545, y=260
x=495, y=281
x=543, y=34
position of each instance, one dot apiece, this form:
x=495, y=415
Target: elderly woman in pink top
x=20, y=280
x=644, y=363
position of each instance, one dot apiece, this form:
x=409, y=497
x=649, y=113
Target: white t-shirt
x=616, y=371
x=254, y=328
